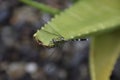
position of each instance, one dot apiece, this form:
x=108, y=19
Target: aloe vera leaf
x=85, y=18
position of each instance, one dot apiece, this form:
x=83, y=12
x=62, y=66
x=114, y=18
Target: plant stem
x=41, y=6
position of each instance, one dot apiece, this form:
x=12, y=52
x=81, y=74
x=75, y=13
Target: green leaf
x=105, y=50
x=85, y=18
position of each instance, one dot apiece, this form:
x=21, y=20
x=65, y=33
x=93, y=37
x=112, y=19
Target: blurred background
x=22, y=58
